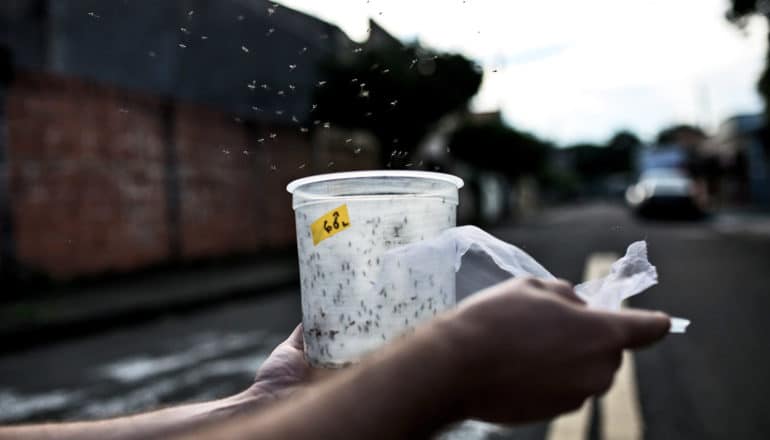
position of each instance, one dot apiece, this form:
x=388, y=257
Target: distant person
x=520, y=351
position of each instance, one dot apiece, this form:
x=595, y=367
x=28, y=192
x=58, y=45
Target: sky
x=579, y=71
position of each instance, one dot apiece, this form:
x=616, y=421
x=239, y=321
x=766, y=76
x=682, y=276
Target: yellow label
x=332, y=222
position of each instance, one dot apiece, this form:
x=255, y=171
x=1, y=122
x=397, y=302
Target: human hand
x=284, y=371
x=529, y=349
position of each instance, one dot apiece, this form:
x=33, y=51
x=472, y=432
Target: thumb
x=639, y=328
x=295, y=339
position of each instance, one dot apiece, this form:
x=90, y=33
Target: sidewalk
x=73, y=311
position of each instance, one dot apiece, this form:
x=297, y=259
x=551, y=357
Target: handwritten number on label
x=335, y=224
x=330, y=223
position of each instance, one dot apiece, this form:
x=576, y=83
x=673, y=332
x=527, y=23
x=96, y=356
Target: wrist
x=235, y=405
x=443, y=363
x=462, y=357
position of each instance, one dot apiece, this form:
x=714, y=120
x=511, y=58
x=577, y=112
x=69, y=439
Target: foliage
x=396, y=92
x=672, y=134
x=738, y=13
x=624, y=140
x=495, y=146
x=616, y=156
x=740, y=10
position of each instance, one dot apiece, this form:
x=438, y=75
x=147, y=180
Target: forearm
x=402, y=392
x=154, y=424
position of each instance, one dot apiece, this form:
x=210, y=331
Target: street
x=709, y=383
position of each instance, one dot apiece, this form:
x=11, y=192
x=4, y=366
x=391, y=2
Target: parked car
x=666, y=193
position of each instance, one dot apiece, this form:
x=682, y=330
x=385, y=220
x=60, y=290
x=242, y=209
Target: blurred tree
x=497, y=147
x=622, y=149
x=690, y=139
x=616, y=156
x=681, y=134
x=624, y=140
x=738, y=14
x=590, y=160
x=741, y=9
x=396, y=92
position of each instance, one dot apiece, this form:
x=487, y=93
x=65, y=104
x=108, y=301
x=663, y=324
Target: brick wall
x=89, y=179
x=86, y=173
x=232, y=182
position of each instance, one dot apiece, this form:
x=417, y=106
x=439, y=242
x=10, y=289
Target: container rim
x=443, y=177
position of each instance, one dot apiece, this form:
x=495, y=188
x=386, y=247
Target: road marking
x=571, y=426
x=598, y=265
x=621, y=415
x=621, y=418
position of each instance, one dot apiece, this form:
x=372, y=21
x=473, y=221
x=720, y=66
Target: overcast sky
x=576, y=71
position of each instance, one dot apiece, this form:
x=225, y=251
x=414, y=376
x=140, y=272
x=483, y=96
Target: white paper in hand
x=470, y=250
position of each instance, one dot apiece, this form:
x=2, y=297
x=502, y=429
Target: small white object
x=679, y=325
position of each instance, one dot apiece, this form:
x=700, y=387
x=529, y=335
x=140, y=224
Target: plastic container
x=345, y=222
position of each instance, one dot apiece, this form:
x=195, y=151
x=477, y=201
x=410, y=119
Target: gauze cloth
x=470, y=251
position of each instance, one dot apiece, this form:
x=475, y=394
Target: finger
x=564, y=289
x=615, y=360
x=638, y=328
x=532, y=281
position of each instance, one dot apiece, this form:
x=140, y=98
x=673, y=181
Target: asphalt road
x=708, y=384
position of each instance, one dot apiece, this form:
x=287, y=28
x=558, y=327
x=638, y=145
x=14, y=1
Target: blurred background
x=147, y=243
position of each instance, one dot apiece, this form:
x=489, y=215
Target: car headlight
x=636, y=194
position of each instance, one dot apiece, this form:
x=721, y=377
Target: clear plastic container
x=345, y=222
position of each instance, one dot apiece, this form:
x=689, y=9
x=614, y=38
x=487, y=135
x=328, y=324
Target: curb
x=28, y=324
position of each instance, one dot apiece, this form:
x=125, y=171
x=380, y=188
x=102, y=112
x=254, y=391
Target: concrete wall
x=161, y=48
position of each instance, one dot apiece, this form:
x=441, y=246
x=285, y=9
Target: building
x=744, y=159
x=232, y=55
x=140, y=136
